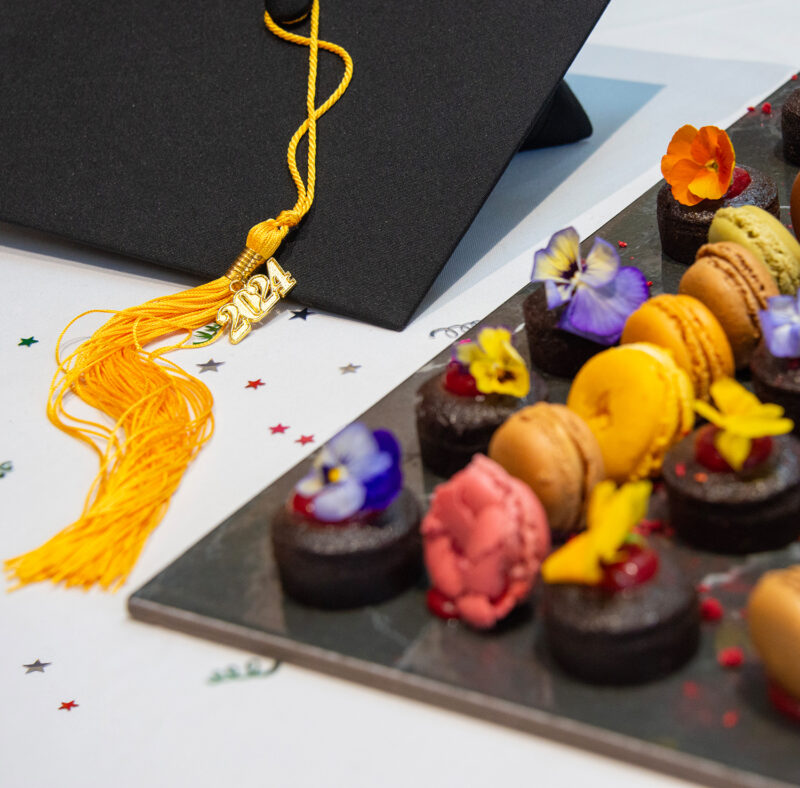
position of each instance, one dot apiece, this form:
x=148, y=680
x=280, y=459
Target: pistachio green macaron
x=765, y=237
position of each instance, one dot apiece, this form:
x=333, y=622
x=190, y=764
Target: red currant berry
x=457, y=380
x=741, y=180
x=440, y=605
x=706, y=453
x=637, y=566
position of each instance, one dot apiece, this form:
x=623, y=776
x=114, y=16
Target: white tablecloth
x=155, y=707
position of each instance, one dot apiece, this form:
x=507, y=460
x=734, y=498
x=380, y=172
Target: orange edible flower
x=699, y=164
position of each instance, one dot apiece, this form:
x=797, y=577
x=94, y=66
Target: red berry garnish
x=680, y=469
x=302, y=505
x=783, y=701
x=711, y=609
x=440, y=605
x=457, y=380
x=622, y=244
x=705, y=452
x=766, y=108
x=741, y=180
x=637, y=566
x=730, y=718
x=731, y=657
x=751, y=109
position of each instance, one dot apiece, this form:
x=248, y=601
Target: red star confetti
x=622, y=244
x=278, y=429
x=731, y=657
x=730, y=718
x=766, y=108
x=711, y=609
x=254, y=384
x=680, y=469
x=304, y=439
x=649, y=282
x=68, y=706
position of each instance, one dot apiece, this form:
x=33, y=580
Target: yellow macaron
x=638, y=403
x=687, y=328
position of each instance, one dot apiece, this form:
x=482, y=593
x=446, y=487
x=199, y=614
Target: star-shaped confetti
x=350, y=368
x=254, y=384
x=36, y=667
x=304, y=439
x=68, y=706
x=302, y=314
x=278, y=429
x=27, y=342
x=210, y=365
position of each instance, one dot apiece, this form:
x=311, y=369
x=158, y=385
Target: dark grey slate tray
x=703, y=723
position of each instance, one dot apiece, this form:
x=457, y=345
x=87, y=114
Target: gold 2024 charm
x=253, y=301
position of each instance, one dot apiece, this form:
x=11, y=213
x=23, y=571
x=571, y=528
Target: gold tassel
x=162, y=415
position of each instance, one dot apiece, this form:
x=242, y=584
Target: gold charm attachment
x=253, y=300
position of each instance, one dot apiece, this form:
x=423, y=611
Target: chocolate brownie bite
x=777, y=380
x=458, y=411
x=583, y=305
x=733, y=486
x=790, y=127
x=684, y=228
x=615, y=610
x=552, y=349
x=349, y=535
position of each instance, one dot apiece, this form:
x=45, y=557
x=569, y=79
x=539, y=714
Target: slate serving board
x=703, y=723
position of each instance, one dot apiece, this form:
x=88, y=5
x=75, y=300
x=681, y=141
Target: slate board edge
x=474, y=704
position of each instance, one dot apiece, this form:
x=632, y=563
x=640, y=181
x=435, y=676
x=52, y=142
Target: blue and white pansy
x=357, y=471
x=780, y=322
x=599, y=293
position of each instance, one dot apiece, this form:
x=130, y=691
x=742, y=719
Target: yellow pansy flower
x=495, y=363
x=741, y=417
x=610, y=517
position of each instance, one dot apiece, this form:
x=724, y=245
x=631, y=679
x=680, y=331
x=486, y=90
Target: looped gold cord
x=160, y=415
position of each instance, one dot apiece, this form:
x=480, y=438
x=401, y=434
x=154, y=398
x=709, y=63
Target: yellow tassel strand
x=162, y=416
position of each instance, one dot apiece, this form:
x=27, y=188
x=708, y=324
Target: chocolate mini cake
x=614, y=610
x=459, y=410
x=552, y=349
x=790, y=127
x=349, y=564
x=777, y=380
x=723, y=511
x=628, y=636
x=349, y=534
x=452, y=428
x=583, y=305
x=684, y=228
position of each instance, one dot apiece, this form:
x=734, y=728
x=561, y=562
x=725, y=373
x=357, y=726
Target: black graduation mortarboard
x=159, y=130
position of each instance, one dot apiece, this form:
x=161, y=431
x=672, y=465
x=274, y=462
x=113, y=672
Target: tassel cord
x=159, y=416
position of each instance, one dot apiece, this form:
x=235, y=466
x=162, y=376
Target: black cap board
x=159, y=130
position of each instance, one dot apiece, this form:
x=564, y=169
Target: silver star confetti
x=36, y=667
x=350, y=368
x=210, y=365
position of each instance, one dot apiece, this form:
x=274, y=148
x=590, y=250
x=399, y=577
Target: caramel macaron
x=773, y=617
x=687, y=328
x=554, y=452
x=734, y=285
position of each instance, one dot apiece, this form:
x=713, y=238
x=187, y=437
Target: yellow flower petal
x=731, y=397
x=492, y=340
x=734, y=448
x=575, y=562
x=709, y=413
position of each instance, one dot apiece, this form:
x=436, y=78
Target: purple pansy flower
x=780, y=322
x=358, y=470
x=600, y=293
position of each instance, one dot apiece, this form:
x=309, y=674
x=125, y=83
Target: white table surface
x=147, y=713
